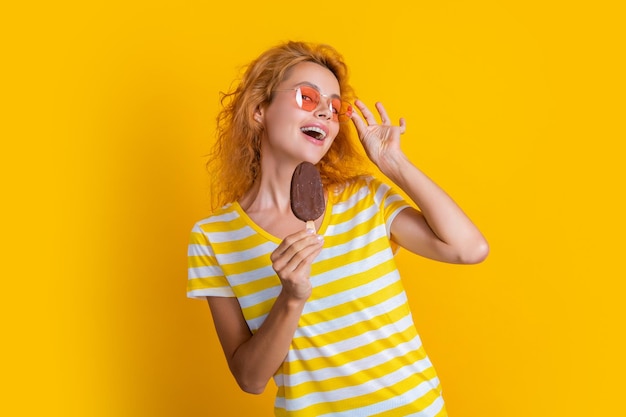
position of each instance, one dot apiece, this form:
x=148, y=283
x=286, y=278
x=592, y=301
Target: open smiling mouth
x=314, y=132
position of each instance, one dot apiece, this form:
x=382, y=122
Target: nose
x=323, y=109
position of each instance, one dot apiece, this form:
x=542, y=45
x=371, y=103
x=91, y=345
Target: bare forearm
x=440, y=230
x=443, y=216
x=256, y=360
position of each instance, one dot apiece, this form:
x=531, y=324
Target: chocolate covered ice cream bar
x=307, y=194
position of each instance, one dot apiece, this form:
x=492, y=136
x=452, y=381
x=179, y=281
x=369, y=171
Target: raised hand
x=381, y=141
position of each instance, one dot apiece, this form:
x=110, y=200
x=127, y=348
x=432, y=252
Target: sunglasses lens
x=336, y=107
x=309, y=98
x=346, y=111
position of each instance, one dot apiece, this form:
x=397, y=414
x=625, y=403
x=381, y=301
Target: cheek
x=331, y=139
x=334, y=131
x=279, y=113
x=279, y=124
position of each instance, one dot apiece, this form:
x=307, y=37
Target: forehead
x=313, y=74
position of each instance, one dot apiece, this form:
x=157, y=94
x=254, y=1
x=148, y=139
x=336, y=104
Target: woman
x=324, y=313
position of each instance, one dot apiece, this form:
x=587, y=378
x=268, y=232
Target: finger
x=300, y=259
x=304, y=256
x=384, y=119
x=294, y=252
x=365, y=111
x=308, y=260
x=359, y=123
x=289, y=241
x=402, y=125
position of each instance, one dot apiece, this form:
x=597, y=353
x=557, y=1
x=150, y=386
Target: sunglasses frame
x=338, y=116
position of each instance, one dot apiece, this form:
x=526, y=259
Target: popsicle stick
x=311, y=225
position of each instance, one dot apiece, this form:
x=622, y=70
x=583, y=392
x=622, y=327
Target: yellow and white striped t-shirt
x=356, y=351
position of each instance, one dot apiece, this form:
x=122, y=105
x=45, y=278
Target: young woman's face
x=297, y=129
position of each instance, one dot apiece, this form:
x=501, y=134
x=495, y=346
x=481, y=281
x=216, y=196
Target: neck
x=270, y=191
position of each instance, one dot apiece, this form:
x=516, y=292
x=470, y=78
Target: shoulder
x=363, y=187
x=356, y=185
x=360, y=193
x=225, y=213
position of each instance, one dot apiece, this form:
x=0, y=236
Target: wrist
x=394, y=165
x=291, y=302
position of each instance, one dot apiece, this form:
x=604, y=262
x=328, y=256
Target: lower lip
x=313, y=140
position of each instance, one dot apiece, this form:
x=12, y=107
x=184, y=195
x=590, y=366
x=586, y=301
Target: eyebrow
x=309, y=84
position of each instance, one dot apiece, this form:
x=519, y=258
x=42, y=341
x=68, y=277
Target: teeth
x=320, y=133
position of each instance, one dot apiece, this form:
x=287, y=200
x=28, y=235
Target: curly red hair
x=235, y=157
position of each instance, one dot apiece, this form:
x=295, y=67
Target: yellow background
x=515, y=108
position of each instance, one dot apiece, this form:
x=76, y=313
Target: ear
x=258, y=115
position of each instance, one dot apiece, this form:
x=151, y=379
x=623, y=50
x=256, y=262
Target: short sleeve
x=205, y=276
x=389, y=201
